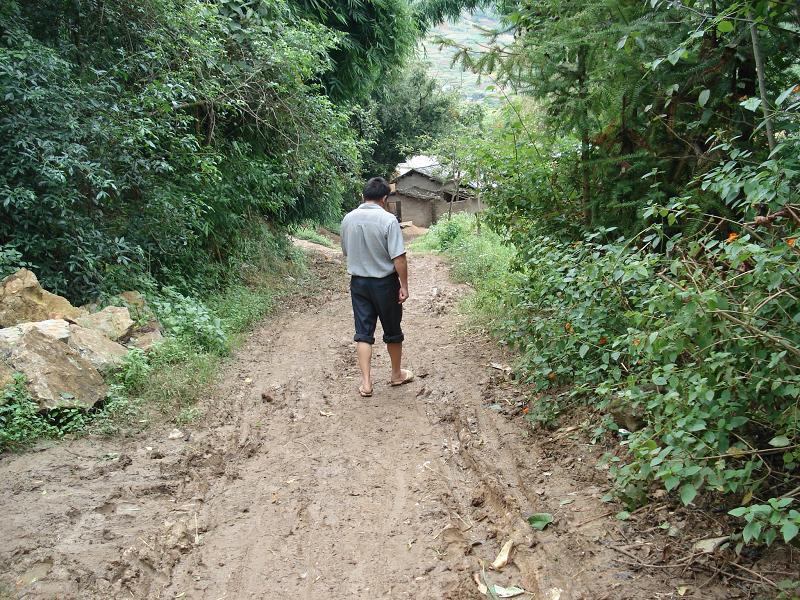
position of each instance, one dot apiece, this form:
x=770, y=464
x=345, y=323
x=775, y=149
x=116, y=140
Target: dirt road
x=292, y=486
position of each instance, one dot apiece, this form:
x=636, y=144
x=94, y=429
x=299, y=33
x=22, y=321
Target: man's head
x=376, y=190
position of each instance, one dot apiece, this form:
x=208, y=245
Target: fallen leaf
x=502, y=558
x=481, y=586
x=509, y=592
x=708, y=545
x=248, y=380
x=325, y=414
x=540, y=520
x=500, y=367
x=682, y=590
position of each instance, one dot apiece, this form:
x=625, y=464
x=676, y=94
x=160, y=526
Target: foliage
x=190, y=320
x=766, y=521
x=139, y=141
x=409, y=110
x=133, y=373
x=636, y=89
x=685, y=335
x=443, y=234
x=19, y=422
x=478, y=256
x=22, y=422
x=374, y=37
x=170, y=379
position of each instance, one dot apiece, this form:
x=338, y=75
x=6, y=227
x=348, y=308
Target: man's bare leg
x=364, y=352
x=396, y=356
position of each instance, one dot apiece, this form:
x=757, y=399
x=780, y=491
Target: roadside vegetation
x=642, y=181
x=644, y=207
x=309, y=232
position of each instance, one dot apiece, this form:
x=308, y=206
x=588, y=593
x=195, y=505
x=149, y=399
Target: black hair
x=377, y=188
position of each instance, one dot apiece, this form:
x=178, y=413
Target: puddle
x=35, y=573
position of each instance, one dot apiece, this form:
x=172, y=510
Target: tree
x=641, y=88
x=410, y=110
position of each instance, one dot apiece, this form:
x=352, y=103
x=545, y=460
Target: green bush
x=140, y=145
x=441, y=235
x=687, y=347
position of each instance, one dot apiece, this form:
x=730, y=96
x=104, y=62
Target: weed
x=133, y=372
x=189, y=319
x=20, y=421
x=309, y=232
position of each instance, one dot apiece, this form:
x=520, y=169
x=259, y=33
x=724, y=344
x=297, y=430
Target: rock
x=96, y=348
x=6, y=377
x=175, y=434
x=57, y=375
x=23, y=300
x=58, y=329
x=626, y=415
x=114, y=322
x=147, y=341
x=709, y=545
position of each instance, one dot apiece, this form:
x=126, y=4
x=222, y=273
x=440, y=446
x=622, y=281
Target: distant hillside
x=466, y=31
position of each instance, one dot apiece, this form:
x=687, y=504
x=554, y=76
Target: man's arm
x=401, y=266
x=342, y=235
x=397, y=252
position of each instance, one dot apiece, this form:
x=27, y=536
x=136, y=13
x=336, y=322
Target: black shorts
x=377, y=298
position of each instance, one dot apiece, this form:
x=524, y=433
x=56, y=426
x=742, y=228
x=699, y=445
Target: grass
x=480, y=258
x=309, y=233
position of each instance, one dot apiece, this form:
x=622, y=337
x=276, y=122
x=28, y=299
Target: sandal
x=364, y=393
x=408, y=377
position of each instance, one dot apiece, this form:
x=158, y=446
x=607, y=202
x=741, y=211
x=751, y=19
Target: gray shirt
x=371, y=239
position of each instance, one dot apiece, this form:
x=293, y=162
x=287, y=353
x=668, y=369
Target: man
x=376, y=260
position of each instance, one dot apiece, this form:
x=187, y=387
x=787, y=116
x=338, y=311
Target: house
x=423, y=191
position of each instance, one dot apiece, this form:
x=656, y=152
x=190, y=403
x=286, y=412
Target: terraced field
x=469, y=30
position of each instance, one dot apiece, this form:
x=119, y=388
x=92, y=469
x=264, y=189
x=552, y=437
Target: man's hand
x=403, y=295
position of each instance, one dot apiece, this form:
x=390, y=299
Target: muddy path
x=292, y=486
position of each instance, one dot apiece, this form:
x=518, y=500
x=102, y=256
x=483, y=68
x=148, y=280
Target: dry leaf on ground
x=502, y=558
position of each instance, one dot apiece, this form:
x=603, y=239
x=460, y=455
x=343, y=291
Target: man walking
x=376, y=260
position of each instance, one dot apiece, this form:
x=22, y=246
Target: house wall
x=392, y=207
x=415, y=210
